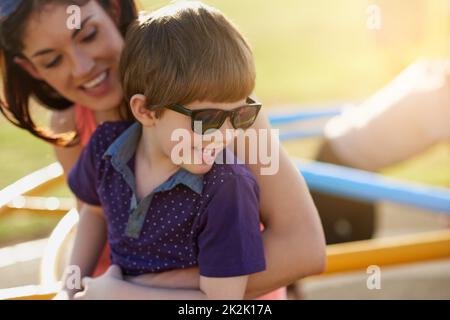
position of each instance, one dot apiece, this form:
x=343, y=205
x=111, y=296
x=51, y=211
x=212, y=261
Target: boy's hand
x=101, y=288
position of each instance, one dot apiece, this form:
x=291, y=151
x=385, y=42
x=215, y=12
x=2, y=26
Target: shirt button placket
x=137, y=217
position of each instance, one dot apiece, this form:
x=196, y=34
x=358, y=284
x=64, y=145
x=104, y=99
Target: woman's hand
x=103, y=287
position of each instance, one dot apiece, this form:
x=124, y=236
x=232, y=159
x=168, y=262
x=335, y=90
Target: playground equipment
x=323, y=177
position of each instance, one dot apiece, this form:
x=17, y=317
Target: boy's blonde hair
x=186, y=52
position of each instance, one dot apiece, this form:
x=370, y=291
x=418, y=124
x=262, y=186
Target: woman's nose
x=82, y=65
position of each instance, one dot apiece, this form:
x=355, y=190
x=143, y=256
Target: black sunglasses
x=212, y=119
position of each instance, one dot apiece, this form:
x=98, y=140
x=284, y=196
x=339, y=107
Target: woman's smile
x=98, y=86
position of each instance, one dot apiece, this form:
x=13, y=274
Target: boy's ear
x=146, y=117
x=28, y=67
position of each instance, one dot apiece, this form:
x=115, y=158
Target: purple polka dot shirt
x=210, y=221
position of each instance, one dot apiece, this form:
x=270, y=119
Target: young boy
x=185, y=69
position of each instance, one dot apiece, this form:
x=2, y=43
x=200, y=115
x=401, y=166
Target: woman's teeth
x=93, y=83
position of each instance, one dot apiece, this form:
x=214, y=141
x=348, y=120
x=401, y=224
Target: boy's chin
x=198, y=168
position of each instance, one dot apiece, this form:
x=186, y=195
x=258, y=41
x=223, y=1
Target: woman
x=67, y=69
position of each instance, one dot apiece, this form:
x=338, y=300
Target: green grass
x=306, y=52
x=25, y=226
x=431, y=167
x=21, y=153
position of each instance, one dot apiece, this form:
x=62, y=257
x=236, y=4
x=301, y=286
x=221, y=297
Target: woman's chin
x=107, y=103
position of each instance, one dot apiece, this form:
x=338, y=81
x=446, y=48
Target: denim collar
x=124, y=147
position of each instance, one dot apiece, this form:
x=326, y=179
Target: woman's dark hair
x=19, y=86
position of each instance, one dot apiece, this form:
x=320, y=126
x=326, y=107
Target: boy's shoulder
x=229, y=171
x=106, y=134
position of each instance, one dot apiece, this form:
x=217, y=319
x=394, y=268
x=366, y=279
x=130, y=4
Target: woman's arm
x=116, y=289
x=111, y=286
x=294, y=242
x=91, y=228
x=62, y=122
x=405, y=118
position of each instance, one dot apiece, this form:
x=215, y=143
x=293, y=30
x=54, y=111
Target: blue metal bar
x=294, y=135
x=303, y=116
x=372, y=187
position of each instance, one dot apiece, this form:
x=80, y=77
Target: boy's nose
x=227, y=124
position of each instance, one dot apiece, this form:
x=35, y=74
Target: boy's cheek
x=178, y=151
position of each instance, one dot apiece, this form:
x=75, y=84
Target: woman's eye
x=90, y=37
x=54, y=63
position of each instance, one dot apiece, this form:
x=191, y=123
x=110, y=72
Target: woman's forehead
x=48, y=27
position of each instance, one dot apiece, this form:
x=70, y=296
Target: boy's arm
x=232, y=288
x=111, y=286
x=173, y=279
x=89, y=243
x=224, y=288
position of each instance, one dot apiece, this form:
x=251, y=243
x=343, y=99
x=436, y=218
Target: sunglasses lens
x=210, y=120
x=243, y=118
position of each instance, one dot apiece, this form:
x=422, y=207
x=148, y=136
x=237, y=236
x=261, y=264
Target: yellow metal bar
x=47, y=185
x=39, y=205
x=6, y=211
x=33, y=184
x=29, y=293
x=48, y=296
x=388, y=251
